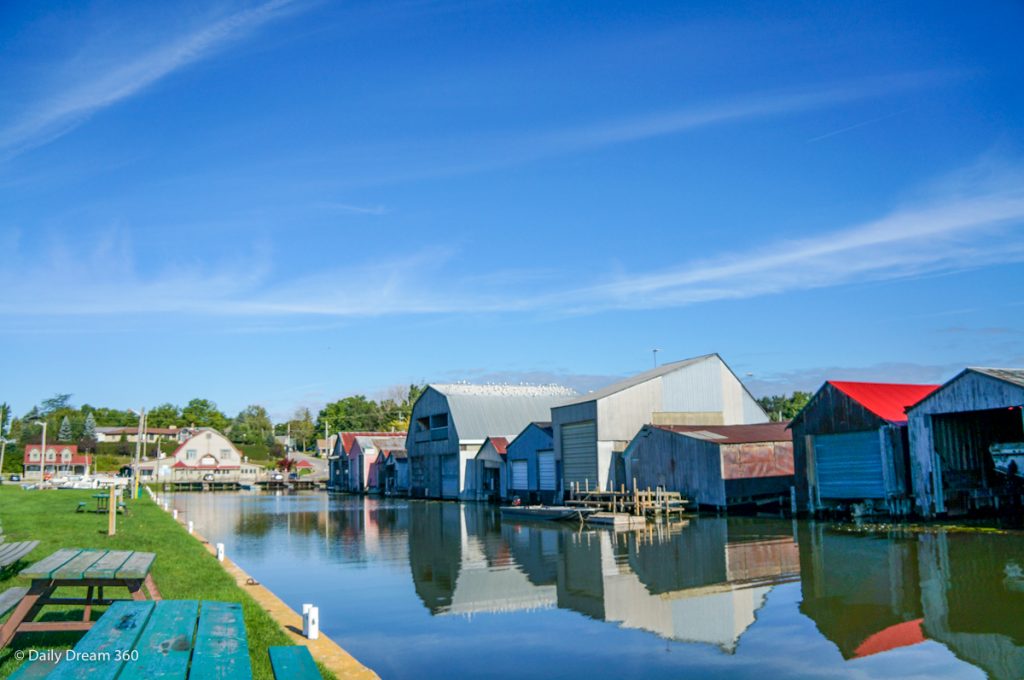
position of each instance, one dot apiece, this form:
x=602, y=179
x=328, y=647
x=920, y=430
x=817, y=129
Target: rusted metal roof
x=733, y=434
x=1010, y=375
x=888, y=401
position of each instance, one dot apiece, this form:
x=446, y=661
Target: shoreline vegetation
x=184, y=568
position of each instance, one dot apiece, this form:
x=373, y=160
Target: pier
x=638, y=502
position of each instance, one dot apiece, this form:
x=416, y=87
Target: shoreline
x=324, y=650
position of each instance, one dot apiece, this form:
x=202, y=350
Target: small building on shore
x=851, y=446
x=152, y=435
x=967, y=443
x=339, y=475
x=396, y=473
x=534, y=474
x=485, y=474
x=450, y=422
x=363, y=459
x=714, y=466
x=205, y=456
x=592, y=431
x=57, y=460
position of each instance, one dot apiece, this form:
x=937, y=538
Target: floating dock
x=619, y=521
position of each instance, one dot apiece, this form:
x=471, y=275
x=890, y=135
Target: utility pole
x=138, y=451
x=3, y=444
x=655, y=352
x=42, y=463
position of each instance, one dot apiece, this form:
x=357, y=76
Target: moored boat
x=552, y=513
x=1003, y=455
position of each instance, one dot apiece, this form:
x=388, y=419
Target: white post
x=220, y=552
x=305, y=619
x=310, y=621
x=190, y=526
x=174, y=513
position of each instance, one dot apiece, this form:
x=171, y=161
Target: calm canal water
x=419, y=589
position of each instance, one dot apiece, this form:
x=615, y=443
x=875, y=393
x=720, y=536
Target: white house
x=207, y=452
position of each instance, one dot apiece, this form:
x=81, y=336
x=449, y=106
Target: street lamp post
x=42, y=461
x=3, y=443
x=138, y=452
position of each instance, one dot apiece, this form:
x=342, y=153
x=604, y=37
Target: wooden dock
x=638, y=502
x=618, y=521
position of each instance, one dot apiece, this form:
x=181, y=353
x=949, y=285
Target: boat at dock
x=545, y=513
x=1005, y=454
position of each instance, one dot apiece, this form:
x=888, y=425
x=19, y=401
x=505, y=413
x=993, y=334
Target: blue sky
x=288, y=202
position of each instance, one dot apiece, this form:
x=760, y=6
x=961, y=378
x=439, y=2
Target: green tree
x=88, y=440
x=164, y=415
x=252, y=426
x=64, y=434
x=351, y=413
x=57, y=402
x=204, y=413
x=5, y=418
x=302, y=427
x=780, y=407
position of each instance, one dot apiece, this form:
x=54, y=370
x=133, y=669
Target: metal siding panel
x=520, y=475
x=546, y=465
x=849, y=465
x=579, y=453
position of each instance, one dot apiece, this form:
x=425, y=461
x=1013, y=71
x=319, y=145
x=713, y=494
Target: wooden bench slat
x=222, y=648
x=136, y=566
x=12, y=552
x=293, y=662
x=34, y=670
x=118, y=628
x=74, y=568
x=166, y=644
x=107, y=566
x=10, y=598
x=48, y=565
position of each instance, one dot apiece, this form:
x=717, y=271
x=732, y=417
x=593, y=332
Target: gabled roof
x=895, y=636
x=888, y=401
x=480, y=410
x=1010, y=375
x=349, y=438
x=303, y=464
x=733, y=434
x=637, y=379
x=500, y=444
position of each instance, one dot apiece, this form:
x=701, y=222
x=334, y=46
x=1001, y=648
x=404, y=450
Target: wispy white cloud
x=972, y=220
x=92, y=89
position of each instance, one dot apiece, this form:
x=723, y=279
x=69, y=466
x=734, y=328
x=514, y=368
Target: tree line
x=780, y=407
x=68, y=423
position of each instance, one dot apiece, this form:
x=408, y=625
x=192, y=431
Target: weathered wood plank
x=10, y=598
x=33, y=670
x=107, y=566
x=222, y=648
x=46, y=566
x=15, y=551
x=293, y=662
x=136, y=566
x=166, y=644
x=118, y=629
x=75, y=568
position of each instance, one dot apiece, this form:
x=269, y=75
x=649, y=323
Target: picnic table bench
x=144, y=640
x=91, y=569
x=12, y=552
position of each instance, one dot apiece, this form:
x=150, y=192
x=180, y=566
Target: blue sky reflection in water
x=426, y=589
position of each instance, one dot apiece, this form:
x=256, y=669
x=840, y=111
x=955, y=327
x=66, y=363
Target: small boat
x=547, y=513
x=1005, y=454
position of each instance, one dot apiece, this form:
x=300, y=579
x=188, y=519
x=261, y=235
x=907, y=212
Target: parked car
x=208, y=477
x=276, y=477
x=293, y=475
x=14, y=478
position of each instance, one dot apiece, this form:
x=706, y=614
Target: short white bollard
x=310, y=621
x=220, y=552
x=190, y=526
x=166, y=508
x=174, y=513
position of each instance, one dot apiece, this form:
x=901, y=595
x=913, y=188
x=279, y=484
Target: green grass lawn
x=183, y=568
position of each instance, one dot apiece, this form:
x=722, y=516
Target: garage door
x=849, y=465
x=579, y=453
x=450, y=476
x=546, y=468
x=520, y=475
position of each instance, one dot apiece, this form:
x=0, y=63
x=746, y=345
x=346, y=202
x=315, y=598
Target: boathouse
x=592, y=431
x=396, y=473
x=450, y=422
x=534, y=475
x=363, y=456
x=714, y=466
x=850, y=447
x=485, y=474
x=963, y=437
x=338, y=465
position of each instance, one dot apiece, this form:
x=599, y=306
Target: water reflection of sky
x=438, y=589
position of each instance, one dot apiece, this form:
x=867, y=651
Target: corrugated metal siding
x=849, y=465
x=547, y=470
x=520, y=475
x=579, y=453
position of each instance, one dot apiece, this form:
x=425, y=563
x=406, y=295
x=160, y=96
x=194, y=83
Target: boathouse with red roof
x=851, y=450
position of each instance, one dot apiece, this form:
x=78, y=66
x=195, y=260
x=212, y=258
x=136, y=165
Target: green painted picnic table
x=146, y=640
x=92, y=569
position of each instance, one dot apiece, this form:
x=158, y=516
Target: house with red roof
x=851, y=450
x=57, y=460
x=205, y=456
